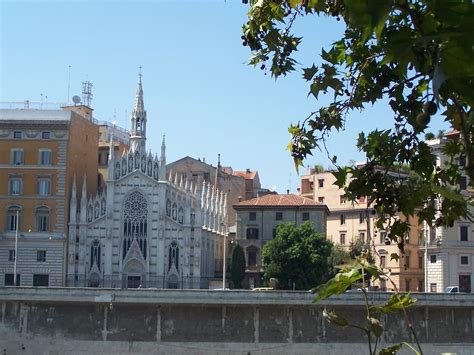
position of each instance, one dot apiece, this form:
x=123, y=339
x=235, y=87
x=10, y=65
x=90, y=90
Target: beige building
x=252, y=183
x=449, y=251
x=348, y=222
x=258, y=218
x=40, y=152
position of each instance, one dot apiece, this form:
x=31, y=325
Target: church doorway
x=134, y=281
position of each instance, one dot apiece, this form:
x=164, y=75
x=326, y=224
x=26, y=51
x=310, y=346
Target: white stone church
x=150, y=228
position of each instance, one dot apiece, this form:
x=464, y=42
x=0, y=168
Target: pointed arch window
x=135, y=222
x=102, y=207
x=117, y=171
x=95, y=253
x=137, y=160
x=96, y=210
x=130, y=163
x=174, y=211
x=155, y=171
x=168, y=208
x=124, y=166
x=181, y=215
x=149, y=168
x=173, y=255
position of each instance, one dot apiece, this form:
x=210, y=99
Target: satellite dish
x=76, y=99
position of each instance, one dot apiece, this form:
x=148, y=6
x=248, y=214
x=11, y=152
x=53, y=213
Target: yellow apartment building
x=41, y=152
x=348, y=222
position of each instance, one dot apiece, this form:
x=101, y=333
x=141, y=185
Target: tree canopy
x=237, y=266
x=297, y=255
x=416, y=55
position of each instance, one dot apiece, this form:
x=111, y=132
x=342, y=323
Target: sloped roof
x=246, y=175
x=285, y=200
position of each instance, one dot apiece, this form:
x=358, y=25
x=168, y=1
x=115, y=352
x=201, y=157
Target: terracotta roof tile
x=273, y=200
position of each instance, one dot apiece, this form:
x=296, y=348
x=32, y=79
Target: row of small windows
x=40, y=255
x=19, y=135
x=15, y=215
x=17, y=156
x=362, y=218
x=278, y=216
x=43, y=186
x=173, y=212
x=38, y=280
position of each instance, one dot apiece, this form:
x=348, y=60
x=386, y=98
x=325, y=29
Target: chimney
x=287, y=191
x=248, y=171
x=240, y=198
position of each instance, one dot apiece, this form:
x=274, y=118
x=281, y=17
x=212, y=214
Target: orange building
x=41, y=152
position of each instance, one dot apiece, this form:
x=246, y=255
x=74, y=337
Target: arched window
x=149, y=167
x=102, y=207
x=95, y=253
x=181, y=215
x=155, y=171
x=173, y=255
x=42, y=219
x=174, y=212
x=143, y=164
x=130, y=163
x=137, y=160
x=117, y=171
x=14, y=218
x=96, y=210
x=135, y=216
x=124, y=166
x=168, y=208
x=90, y=214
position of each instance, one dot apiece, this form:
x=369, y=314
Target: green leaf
x=396, y=303
x=308, y=73
x=391, y=350
x=338, y=284
x=448, y=193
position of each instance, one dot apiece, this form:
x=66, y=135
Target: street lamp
x=224, y=257
x=16, y=246
x=16, y=249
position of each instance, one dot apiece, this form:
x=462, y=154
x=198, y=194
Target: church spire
x=139, y=105
x=138, y=132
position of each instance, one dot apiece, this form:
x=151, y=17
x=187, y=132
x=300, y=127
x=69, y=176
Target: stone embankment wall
x=107, y=321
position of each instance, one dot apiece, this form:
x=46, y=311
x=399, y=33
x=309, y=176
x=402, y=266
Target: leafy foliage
x=297, y=255
x=237, y=266
x=416, y=55
x=354, y=272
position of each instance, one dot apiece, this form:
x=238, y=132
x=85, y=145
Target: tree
x=297, y=255
x=416, y=55
x=237, y=267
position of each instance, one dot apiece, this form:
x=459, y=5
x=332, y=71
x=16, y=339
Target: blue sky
x=198, y=89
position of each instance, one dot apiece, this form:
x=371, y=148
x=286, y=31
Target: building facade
x=349, y=222
x=40, y=152
x=449, y=251
x=120, y=138
x=258, y=218
x=149, y=228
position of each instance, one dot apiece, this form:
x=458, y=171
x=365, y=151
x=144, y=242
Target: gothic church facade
x=150, y=228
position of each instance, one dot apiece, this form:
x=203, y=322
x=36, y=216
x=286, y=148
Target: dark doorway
x=465, y=283
x=134, y=281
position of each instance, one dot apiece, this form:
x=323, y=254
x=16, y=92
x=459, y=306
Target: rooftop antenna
x=68, y=83
x=87, y=93
x=76, y=99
